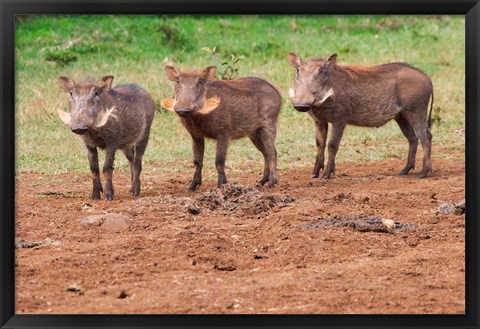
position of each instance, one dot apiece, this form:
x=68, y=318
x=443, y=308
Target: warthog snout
x=300, y=107
x=80, y=130
x=184, y=111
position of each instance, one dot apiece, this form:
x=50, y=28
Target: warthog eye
x=322, y=72
x=96, y=93
x=297, y=73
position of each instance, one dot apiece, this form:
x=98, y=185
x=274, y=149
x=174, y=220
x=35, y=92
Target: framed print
x=239, y=164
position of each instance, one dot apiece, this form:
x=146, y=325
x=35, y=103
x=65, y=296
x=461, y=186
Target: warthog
x=226, y=110
x=363, y=96
x=111, y=119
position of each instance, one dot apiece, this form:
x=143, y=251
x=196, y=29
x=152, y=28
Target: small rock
x=390, y=224
x=123, y=295
x=225, y=268
x=74, y=288
x=92, y=219
x=450, y=208
x=117, y=223
x=460, y=207
x=111, y=222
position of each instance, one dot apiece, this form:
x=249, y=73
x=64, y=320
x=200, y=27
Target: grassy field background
x=134, y=49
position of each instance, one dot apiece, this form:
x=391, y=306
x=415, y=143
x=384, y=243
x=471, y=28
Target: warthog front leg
x=222, y=146
x=93, y=160
x=321, y=130
x=108, y=171
x=198, y=151
x=333, y=145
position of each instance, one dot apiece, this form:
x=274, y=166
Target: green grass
x=134, y=48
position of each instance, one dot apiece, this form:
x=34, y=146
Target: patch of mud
x=451, y=208
x=362, y=223
x=246, y=199
x=234, y=198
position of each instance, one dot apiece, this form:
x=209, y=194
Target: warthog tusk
x=64, y=116
x=105, y=117
x=210, y=105
x=291, y=91
x=328, y=94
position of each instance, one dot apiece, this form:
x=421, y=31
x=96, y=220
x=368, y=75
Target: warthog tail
x=430, y=114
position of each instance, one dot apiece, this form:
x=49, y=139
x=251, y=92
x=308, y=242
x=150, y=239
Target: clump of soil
x=451, y=208
x=246, y=199
x=20, y=243
x=362, y=223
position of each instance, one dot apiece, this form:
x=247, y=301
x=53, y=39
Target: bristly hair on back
x=356, y=70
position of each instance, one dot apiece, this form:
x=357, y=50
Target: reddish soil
x=245, y=249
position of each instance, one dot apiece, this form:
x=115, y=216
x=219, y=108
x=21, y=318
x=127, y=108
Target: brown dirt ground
x=248, y=250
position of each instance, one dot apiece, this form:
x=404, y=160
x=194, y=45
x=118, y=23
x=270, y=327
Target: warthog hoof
x=134, y=191
x=263, y=181
x=97, y=189
x=406, y=170
x=272, y=184
x=193, y=187
x=326, y=175
x=109, y=195
x=424, y=173
x=314, y=176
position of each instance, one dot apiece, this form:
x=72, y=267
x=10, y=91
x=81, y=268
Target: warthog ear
x=295, y=60
x=169, y=104
x=172, y=73
x=208, y=74
x=106, y=82
x=66, y=84
x=210, y=105
x=332, y=58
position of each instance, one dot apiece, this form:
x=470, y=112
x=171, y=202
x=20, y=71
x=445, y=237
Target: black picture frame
x=8, y=10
